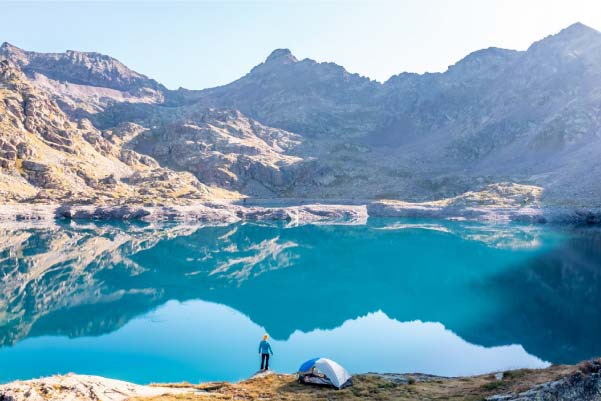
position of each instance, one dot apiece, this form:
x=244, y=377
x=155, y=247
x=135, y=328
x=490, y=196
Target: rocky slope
x=82, y=127
x=47, y=156
x=226, y=149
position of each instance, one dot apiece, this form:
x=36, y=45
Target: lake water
x=150, y=303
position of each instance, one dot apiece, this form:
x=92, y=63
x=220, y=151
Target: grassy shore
x=581, y=382
x=375, y=387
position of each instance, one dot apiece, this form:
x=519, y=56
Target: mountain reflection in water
x=495, y=297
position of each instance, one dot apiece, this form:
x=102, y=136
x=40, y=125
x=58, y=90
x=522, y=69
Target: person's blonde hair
x=265, y=337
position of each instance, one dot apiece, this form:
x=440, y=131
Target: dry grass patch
x=278, y=387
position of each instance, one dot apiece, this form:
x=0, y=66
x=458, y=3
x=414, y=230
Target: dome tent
x=325, y=372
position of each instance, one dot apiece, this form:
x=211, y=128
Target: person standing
x=264, y=351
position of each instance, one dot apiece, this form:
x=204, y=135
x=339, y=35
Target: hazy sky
x=203, y=44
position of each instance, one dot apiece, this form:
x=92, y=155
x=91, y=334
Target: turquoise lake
x=162, y=303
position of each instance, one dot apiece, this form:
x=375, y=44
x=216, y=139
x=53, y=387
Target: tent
x=325, y=372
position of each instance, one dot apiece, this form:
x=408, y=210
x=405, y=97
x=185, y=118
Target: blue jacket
x=265, y=348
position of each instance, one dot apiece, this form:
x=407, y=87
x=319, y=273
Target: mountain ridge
x=78, y=67
x=497, y=115
x=577, y=28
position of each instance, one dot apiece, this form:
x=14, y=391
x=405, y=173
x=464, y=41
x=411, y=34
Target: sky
x=209, y=43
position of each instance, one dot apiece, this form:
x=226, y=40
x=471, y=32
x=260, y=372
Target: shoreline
x=580, y=382
x=300, y=212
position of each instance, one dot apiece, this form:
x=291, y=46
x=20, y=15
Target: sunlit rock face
x=48, y=156
x=226, y=149
x=295, y=128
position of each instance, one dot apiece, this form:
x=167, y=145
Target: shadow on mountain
x=552, y=301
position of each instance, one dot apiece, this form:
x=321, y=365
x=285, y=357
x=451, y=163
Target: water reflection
x=503, y=287
x=173, y=344
x=554, y=301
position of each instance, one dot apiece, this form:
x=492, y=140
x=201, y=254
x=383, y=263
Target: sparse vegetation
x=278, y=387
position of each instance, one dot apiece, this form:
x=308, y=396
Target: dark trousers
x=265, y=361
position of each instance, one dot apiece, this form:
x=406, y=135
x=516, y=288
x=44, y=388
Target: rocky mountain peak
x=578, y=28
x=573, y=38
x=281, y=56
x=12, y=52
x=7, y=47
x=84, y=68
x=482, y=63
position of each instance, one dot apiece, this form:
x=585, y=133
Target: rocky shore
x=502, y=202
x=311, y=213
x=567, y=383
x=526, y=214
x=205, y=212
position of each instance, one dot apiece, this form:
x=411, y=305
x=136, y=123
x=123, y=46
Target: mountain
x=304, y=129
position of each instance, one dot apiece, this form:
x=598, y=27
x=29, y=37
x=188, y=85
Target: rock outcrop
x=583, y=385
x=226, y=149
x=83, y=388
x=497, y=202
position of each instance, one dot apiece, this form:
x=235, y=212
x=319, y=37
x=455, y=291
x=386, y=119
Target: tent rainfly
x=325, y=372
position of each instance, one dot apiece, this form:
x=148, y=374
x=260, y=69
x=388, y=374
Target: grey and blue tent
x=323, y=371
